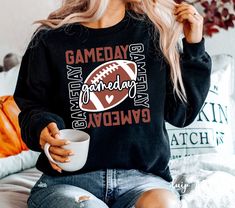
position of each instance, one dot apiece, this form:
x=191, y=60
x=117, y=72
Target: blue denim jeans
x=115, y=188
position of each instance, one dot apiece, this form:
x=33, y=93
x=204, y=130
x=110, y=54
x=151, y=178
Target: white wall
x=16, y=18
x=223, y=42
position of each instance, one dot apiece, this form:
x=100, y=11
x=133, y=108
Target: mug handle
x=46, y=150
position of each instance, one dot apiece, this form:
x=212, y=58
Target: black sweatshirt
x=114, y=84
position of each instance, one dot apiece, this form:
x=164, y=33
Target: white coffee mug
x=79, y=144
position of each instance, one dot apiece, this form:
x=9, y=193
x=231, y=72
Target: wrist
x=193, y=41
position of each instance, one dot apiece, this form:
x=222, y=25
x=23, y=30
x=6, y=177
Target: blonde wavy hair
x=160, y=12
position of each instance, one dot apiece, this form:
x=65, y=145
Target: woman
x=124, y=53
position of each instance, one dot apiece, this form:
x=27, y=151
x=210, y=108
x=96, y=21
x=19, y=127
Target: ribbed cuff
x=193, y=50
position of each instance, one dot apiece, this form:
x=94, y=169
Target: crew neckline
x=106, y=30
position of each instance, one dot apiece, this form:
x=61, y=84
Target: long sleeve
x=33, y=92
x=196, y=69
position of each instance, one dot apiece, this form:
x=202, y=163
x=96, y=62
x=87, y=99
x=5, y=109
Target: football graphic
x=110, y=74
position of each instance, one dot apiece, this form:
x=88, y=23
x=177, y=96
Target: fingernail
x=67, y=142
x=57, y=136
x=71, y=153
x=59, y=170
x=67, y=160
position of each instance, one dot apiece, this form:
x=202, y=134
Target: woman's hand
x=51, y=135
x=192, y=22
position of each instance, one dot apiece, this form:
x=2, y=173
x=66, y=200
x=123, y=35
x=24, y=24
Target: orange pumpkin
x=11, y=142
